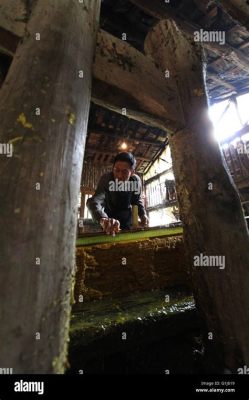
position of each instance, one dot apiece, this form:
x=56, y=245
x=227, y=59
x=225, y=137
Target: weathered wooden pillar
x=44, y=109
x=210, y=208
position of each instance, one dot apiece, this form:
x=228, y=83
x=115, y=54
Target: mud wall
x=121, y=268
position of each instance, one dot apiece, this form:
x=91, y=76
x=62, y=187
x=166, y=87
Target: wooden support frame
x=164, y=11
x=213, y=218
x=128, y=82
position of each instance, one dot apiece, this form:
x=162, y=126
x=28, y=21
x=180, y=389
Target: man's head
x=123, y=166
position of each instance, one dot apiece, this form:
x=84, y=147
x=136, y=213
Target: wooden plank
x=92, y=150
x=125, y=78
x=131, y=138
x=238, y=10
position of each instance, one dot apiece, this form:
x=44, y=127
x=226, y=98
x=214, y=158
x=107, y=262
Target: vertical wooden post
x=44, y=110
x=210, y=207
x=82, y=211
x=82, y=204
x=134, y=217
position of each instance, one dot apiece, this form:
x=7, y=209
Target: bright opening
x=229, y=119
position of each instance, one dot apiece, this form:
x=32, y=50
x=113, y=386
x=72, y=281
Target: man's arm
x=96, y=203
x=139, y=202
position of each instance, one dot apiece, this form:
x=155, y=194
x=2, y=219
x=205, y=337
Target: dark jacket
x=106, y=203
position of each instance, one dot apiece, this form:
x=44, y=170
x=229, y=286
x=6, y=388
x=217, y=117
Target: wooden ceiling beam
x=92, y=150
x=208, y=17
x=108, y=97
x=164, y=11
x=221, y=82
x=124, y=78
x=244, y=44
x=238, y=10
x=126, y=138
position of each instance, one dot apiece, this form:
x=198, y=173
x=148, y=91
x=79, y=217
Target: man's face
x=122, y=171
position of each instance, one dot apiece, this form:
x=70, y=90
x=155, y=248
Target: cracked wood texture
x=44, y=108
x=209, y=203
x=126, y=78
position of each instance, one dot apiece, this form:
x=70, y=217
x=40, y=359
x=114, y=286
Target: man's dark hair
x=127, y=157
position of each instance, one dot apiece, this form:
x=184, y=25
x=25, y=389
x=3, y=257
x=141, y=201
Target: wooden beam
x=92, y=150
x=40, y=183
x=161, y=10
x=208, y=16
x=115, y=100
x=135, y=91
x=238, y=10
x=157, y=176
x=82, y=204
x=126, y=79
x=222, y=83
x=125, y=138
x=244, y=44
x=14, y=15
x=210, y=207
x=230, y=53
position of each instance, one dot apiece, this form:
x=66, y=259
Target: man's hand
x=144, y=220
x=110, y=225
